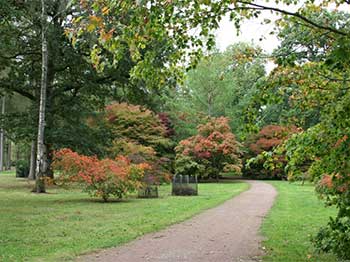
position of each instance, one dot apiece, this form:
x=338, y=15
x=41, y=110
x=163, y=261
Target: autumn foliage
x=157, y=172
x=261, y=159
x=269, y=137
x=100, y=178
x=212, y=151
x=137, y=124
x=142, y=136
x=166, y=122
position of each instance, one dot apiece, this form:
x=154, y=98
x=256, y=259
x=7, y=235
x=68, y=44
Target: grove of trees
x=114, y=93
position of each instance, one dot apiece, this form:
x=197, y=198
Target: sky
x=253, y=31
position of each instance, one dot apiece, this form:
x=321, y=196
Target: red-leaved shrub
x=269, y=137
x=212, y=151
x=261, y=160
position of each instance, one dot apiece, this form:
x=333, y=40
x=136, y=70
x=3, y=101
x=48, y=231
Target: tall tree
x=41, y=164
x=222, y=84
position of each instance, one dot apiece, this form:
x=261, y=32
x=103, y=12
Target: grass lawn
x=296, y=216
x=62, y=224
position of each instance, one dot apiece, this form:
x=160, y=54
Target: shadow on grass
x=221, y=181
x=95, y=200
x=19, y=185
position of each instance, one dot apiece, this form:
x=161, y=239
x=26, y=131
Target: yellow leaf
x=90, y=27
x=105, y=10
x=97, y=21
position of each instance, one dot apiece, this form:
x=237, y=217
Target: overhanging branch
x=258, y=7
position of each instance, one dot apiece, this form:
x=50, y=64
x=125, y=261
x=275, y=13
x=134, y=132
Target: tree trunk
x=49, y=160
x=2, y=140
x=9, y=153
x=31, y=175
x=18, y=152
x=41, y=165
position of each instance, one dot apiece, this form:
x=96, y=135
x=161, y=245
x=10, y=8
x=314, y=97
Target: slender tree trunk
x=49, y=159
x=41, y=166
x=18, y=152
x=2, y=140
x=9, y=153
x=31, y=175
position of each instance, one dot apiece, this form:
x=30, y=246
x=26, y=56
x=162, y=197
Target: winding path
x=229, y=232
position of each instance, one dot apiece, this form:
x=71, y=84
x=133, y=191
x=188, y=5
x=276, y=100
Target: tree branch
x=19, y=91
x=254, y=6
x=19, y=54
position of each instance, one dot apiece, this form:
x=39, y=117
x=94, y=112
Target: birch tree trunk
x=40, y=157
x=2, y=140
x=32, y=166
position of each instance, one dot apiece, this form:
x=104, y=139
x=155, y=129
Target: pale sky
x=253, y=31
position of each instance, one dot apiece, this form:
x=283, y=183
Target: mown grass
x=295, y=217
x=63, y=224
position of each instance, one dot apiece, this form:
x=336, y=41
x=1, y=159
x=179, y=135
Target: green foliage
x=73, y=85
x=335, y=237
x=22, y=168
x=313, y=82
x=222, y=84
x=186, y=165
x=75, y=89
x=303, y=151
x=212, y=151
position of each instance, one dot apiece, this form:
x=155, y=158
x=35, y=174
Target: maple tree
x=262, y=158
x=140, y=134
x=269, y=137
x=212, y=151
x=137, y=124
x=158, y=171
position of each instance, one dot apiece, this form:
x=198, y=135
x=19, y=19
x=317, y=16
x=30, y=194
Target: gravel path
x=229, y=232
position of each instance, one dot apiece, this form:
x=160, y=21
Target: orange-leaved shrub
x=100, y=178
x=212, y=151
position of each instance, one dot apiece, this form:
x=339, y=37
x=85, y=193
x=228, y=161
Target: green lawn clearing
x=296, y=216
x=63, y=224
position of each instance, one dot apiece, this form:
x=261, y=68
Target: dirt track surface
x=229, y=232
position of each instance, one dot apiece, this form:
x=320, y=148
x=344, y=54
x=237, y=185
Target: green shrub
x=335, y=237
x=22, y=168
